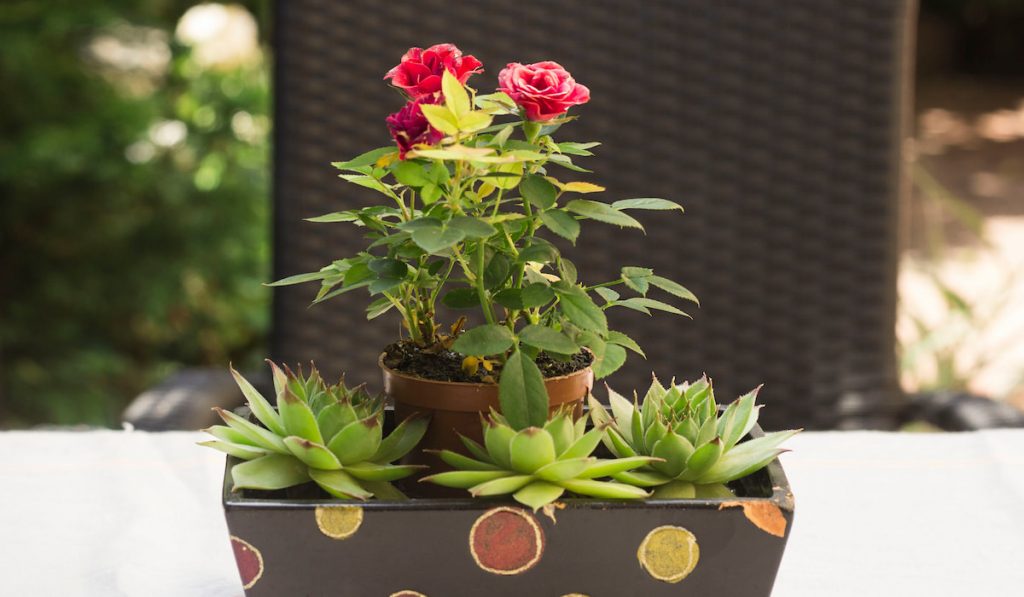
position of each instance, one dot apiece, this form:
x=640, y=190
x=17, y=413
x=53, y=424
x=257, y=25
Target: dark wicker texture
x=777, y=124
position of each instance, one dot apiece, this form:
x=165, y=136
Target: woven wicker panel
x=776, y=124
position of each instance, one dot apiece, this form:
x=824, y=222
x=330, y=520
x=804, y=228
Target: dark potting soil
x=406, y=357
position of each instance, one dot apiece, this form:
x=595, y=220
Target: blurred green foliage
x=134, y=206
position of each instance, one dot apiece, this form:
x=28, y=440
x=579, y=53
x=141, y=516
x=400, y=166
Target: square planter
x=475, y=547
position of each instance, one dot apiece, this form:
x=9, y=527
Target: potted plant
x=628, y=500
x=473, y=203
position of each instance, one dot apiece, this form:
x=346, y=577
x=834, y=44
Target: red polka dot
x=506, y=541
x=249, y=561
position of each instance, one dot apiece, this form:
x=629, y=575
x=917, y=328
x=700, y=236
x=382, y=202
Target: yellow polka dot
x=407, y=593
x=669, y=553
x=339, y=522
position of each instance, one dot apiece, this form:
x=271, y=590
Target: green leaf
x=538, y=494
x=604, y=489
x=229, y=435
x=484, y=340
x=370, y=183
x=647, y=203
x=540, y=251
x=256, y=435
x=497, y=440
x=388, y=268
x=602, y=212
x=299, y=279
x=548, y=339
x=563, y=469
x=536, y=295
x=702, y=459
x=643, y=303
x=464, y=479
x=675, y=490
x=537, y=190
x=672, y=288
x=260, y=407
x=311, y=454
x=369, y=471
x=501, y=486
x=441, y=118
x=465, y=463
x=410, y=173
x=611, y=360
x=624, y=340
x=565, y=162
x=607, y=294
x=245, y=452
x=404, y=438
x=366, y=159
x=521, y=392
x=435, y=239
x=676, y=450
x=472, y=227
x=461, y=152
x=356, y=442
x=531, y=449
x=641, y=478
x=573, y=148
x=561, y=223
x=637, y=278
x=455, y=96
x=472, y=122
x=340, y=485
x=332, y=418
x=507, y=182
x=497, y=271
x=577, y=305
x=613, y=466
x=746, y=458
x=461, y=298
x=510, y=298
x=430, y=193
x=275, y=471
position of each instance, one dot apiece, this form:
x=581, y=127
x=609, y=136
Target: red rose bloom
x=409, y=126
x=543, y=90
x=419, y=72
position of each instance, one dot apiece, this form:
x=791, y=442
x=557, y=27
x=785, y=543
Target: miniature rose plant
x=474, y=197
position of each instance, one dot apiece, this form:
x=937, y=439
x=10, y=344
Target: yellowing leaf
x=441, y=118
x=581, y=187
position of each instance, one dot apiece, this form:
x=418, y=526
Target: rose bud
x=419, y=72
x=543, y=90
x=409, y=126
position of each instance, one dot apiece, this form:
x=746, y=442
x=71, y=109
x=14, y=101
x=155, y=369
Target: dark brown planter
x=464, y=547
x=455, y=407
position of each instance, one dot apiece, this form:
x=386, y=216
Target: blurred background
x=134, y=201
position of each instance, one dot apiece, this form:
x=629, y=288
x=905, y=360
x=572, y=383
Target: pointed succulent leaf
x=280, y=379
x=260, y=407
x=340, y=484
x=465, y=479
x=655, y=432
x=641, y=478
x=478, y=451
x=607, y=468
x=538, y=494
x=560, y=427
x=312, y=454
x=256, y=435
x=584, y=445
x=708, y=431
x=598, y=413
x=245, y=452
x=298, y=418
x=369, y=471
x=465, y=463
x=274, y=471
x=688, y=428
x=714, y=491
x=531, y=449
x=383, y=490
x=618, y=444
x=735, y=425
x=334, y=417
x=675, y=450
x=498, y=440
x=702, y=459
x=604, y=489
x=637, y=431
x=622, y=410
x=357, y=442
x=229, y=435
x=500, y=486
x=403, y=439
x=650, y=408
x=746, y=458
x=560, y=470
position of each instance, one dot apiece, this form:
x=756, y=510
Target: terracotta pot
x=455, y=407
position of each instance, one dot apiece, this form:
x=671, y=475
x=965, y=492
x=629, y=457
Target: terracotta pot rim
x=468, y=384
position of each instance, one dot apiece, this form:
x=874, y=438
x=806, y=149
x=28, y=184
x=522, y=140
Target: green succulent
x=537, y=465
x=331, y=435
x=699, y=448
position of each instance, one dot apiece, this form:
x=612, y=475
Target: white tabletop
x=130, y=513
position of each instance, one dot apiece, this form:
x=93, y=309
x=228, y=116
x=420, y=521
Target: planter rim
x=468, y=384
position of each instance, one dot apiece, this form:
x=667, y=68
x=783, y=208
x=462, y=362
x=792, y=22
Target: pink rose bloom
x=543, y=90
x=409, y=126
x=419, y=72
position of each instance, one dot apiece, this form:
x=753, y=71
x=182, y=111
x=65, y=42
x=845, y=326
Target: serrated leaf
x=536, y=295
x=643, y=304
x=538, y=191
x=673, y=288
x=461, y=298
x=521, y=392
x=274, y=471
x=561, y=223
x=366, y=159
x=455, y=95
x=410, y=173
x=547, y=339
x=441, y=118
x=299, y=279
x=472, y=122
x=602, y=212
x=607, y=294
x=624, y=340
x=472, y=227
x=369, y=182
x=581, y=310
x=637, y=278
x=484, y=340
x=435, y=239
x=650, y=203
x=582, y=187
x=612, y=359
